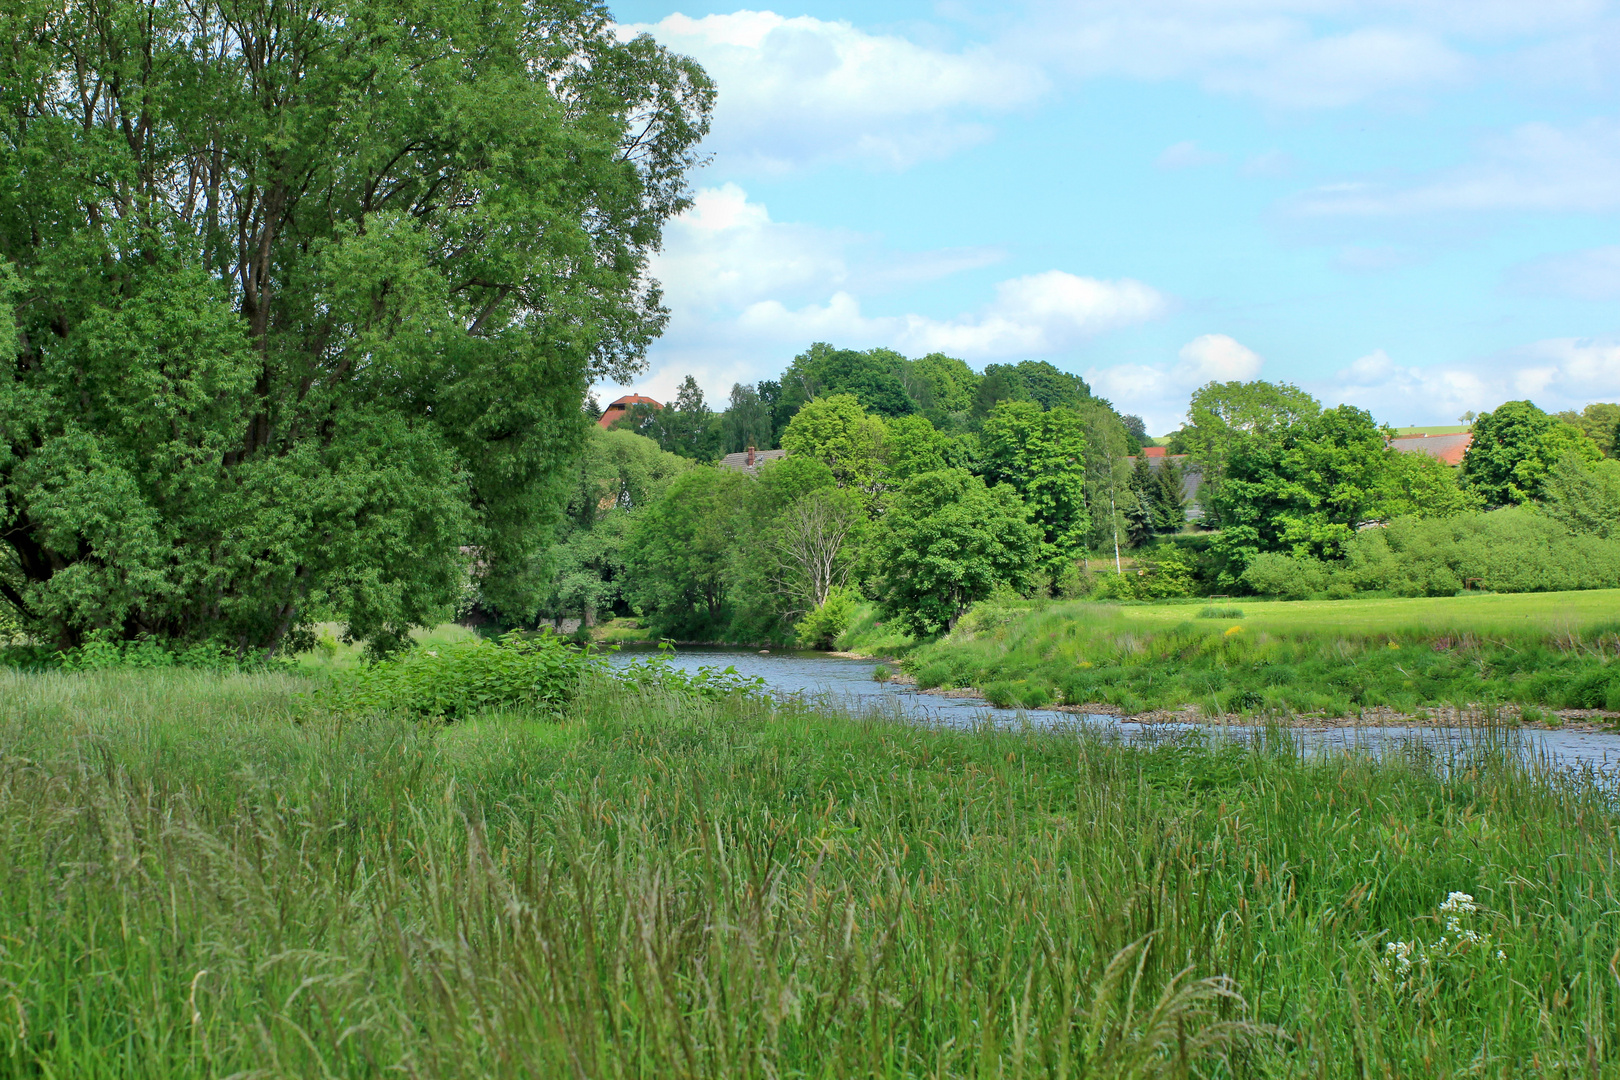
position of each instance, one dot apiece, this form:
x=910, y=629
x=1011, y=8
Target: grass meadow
x=1334, y=658
x=205, y=875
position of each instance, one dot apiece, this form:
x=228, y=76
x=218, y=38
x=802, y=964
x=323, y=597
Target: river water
x=848, y=684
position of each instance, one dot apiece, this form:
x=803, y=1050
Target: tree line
x=924, y=486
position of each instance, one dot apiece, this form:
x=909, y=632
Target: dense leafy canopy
x=307, y=298
x=950, y=541
x=1042, y=456
x=1303, y=489
x=1515, y=446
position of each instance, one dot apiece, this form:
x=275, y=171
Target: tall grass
x=203, y=877
x=1093, y=653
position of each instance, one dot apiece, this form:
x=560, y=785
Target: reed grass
x=206, y=877
x=1262, y=658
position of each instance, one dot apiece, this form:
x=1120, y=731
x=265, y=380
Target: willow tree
x=306, y=297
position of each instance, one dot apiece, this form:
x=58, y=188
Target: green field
x=1441, y=429
x=207, y=877
x=1478, y=613
x=1328, y=658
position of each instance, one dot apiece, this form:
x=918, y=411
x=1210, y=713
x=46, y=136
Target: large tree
x=948, y=541
x=307, y=297
x=1043, y=456
x=1221, y=416
x=1515, y=446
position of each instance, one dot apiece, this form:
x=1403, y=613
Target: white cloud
x=746, y=293
x=1290, y=54
x=1558, y=373
x=1534, y=167
x=795, y=91
x=1159, y=392
x=1187, y=155
x=1038, y=315
x=1593, y=274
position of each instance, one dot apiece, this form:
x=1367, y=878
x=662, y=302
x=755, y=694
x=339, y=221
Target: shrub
x=935, y=674
x=820, y=628
x=460, y=680
x=1221, y=613
x=1271, y=574
x=1035, y=696
x=1594, y=689
x=1001, y=694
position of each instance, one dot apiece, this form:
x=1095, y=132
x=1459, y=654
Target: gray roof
x=739, y=460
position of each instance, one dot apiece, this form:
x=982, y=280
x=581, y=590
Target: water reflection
x=849, y=684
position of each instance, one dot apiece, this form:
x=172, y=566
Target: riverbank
x=1508, y=656
x=1444, y=716
x=206, y=876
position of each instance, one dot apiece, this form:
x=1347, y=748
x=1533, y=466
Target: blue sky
x=1409, y=205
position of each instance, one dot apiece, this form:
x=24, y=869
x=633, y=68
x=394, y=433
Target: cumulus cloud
x=801, y=90
x=1593, y=274
x=1534, y=167
x=746, y=293
x=1556, y=373
x=1037, y=315
x=1159, y=392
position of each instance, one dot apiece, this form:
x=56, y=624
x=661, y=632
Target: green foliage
x=345, y=874
x=1161, y=572
x=1030, y=380
x=1515, y=446
x=1600, y=421
x=1511, y=550
x=1042, y=456
x=943, y=387
x=1289, y=577
x=101, y=650
x=1159, y=657
x=685, y=426
x=1221, y=416
x=679, y=558
x=950, y=541
x=1304, y=489
x=875, y=378
x=307, y=302
x=913, y=446
x=539, y=673
x=620, y=474
x=838, y=432
x=1584, y=497
x=747, y=421
x=820, y=627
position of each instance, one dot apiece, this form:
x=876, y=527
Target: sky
x=1412, y=206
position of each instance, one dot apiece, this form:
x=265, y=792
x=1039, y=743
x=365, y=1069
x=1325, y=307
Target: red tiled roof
x=618, y=408
x=1154, y=451
x=1447, y=448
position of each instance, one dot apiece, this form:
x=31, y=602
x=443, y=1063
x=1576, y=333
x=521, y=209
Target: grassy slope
x=198, y=885
x=1478, y=613
x=1333, y=657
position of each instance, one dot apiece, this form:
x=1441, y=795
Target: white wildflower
x=1408, y=961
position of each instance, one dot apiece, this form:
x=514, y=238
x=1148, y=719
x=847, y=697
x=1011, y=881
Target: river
x=848, y=684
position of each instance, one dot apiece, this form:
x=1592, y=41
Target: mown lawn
x=204, y=876
x=1479, y=613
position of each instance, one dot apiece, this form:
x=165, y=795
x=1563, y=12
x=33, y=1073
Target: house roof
x=622, y=405
x=740, y=460
x=1447, y=448
x=1155, y=451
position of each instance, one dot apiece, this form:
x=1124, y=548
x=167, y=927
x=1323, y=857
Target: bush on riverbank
x=683, y=887
x=1096, y=654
